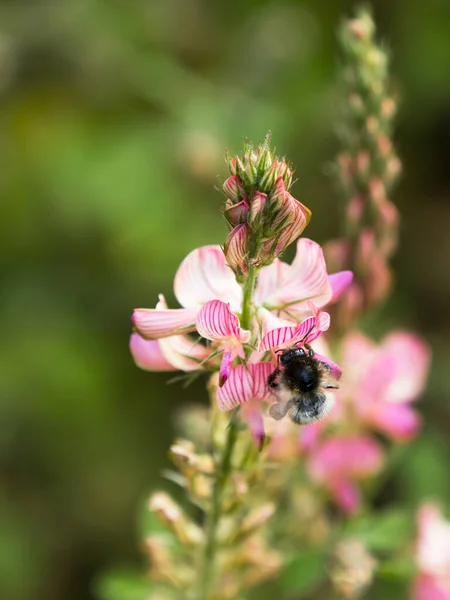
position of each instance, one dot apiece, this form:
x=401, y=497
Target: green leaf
x=396, y=570
x=385, y=531
x=304, y=571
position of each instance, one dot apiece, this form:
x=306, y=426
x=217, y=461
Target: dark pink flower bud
x=234, y=188
x=235, y=248
x=236, y=213
x=256, y=216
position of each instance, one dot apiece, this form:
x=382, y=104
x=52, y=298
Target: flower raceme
x=264, y=218
x=287, y=303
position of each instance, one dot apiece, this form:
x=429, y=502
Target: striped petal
x=236, y=390
x=159, y=322
x=216, y=322
x=235, y=247
x=245, y=383
x=147, y=354
x=183, y=352
x=204, y=275
x=224, y=371
x=306, y=331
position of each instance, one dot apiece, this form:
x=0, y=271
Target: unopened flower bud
x=236, y=214
x=171, y=515
x=377, y=190
x=356, y=104
x=234, y=188
x=264, y=159
x=355, y=210
x=352, y=569
x=372, y=125
x=363, y=162
x=235, y=249
x=388, y=108
x=162, y=567
x=278, y=169
x=361, y=28
x=256, y=215
x=384, y=145
x=393, y=169
x=254, y=520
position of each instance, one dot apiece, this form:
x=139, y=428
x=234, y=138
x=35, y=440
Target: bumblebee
x=300, y=382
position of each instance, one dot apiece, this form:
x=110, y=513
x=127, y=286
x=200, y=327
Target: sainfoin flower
x=339, y=462
x=432, y=555
x=288, y=300
x=382, y=380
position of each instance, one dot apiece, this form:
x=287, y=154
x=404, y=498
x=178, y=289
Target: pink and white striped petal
x=155, y=323
x=225, y=367
x=339, y=283
x=307, y=331
x=216, y=322
x=204, y=275
x=183, y=352
x=245, y=383
x=147, y=354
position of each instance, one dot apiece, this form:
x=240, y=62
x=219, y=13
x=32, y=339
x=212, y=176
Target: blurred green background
x=115, y=115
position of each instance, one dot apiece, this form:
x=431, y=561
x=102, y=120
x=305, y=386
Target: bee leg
x=271, y=380
x=310, y=350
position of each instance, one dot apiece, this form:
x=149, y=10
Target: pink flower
x=338, y=462
x=432, y=555
x=287, y=307
x=383, y=380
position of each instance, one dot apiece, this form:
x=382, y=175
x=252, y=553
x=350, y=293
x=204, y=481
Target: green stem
x=225, y=465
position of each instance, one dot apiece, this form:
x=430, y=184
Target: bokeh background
x=114, y=118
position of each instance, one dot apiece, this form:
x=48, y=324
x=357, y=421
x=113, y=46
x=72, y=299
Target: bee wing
x=279, y=410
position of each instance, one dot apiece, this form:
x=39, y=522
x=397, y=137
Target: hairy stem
x=224, y=466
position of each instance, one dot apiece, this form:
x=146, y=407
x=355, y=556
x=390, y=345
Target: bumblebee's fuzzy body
x=303, y=379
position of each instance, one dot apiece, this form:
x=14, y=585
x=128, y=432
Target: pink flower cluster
x=432, y=555
x=287, y=306
x=380, y=383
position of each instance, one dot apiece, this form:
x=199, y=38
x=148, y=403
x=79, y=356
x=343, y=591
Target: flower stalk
x=224, y=465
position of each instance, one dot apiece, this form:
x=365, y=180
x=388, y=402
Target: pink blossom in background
x=432, y=555
x=339, y=462
x=381, y=381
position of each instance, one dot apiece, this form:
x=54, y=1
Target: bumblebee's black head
x=291, y=354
